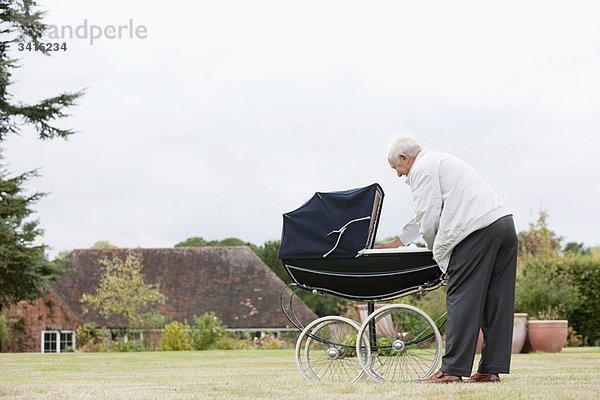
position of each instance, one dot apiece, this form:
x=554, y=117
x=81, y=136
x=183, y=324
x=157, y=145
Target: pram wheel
x=326, y=350
x=399, y=343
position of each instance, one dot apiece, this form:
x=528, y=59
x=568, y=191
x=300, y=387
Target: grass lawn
x=261, y=374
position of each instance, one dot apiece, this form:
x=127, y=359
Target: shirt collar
x=407, y=181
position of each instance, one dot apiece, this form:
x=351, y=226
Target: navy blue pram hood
x=332, y=225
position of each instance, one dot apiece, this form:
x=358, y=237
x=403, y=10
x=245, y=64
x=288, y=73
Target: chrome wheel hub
x=398, y=345
x=333, y=353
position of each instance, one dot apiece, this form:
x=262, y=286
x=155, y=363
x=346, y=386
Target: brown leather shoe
x=440, y=377
x=481, y=377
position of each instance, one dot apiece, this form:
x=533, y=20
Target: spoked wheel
x=399, y=343
x=326, y=350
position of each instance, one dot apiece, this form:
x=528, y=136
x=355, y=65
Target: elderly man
x=472, y=235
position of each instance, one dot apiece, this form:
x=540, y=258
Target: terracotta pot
x=549, y=336
x=527, y=345
x=519, y=332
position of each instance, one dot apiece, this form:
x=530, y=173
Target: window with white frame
x=58, y=341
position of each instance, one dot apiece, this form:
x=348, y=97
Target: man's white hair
x=406, y=145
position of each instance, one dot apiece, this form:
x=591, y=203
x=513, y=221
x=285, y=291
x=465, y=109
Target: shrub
x=207, y=330
x=151, y=341
x=90, y=338
x=585, y=273
x=231, y=343
x=127, y=347
x=271, y=342
x=3, y=332
x=565, y=287
x=573, y=339
x=175, y=337
x=546, y=289
x=433, y=303
x=554, y=286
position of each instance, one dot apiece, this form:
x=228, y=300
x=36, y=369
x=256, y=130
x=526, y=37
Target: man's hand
x=389, y=245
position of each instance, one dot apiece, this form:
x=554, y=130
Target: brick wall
x=26, y=321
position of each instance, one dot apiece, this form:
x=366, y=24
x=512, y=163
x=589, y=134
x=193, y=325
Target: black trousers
x=481, y=294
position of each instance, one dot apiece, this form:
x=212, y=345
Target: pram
x=326, y=248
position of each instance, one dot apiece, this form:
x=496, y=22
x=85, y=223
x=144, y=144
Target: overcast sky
x=230, y=113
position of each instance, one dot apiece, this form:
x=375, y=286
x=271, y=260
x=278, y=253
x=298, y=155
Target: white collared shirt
x=451, y=201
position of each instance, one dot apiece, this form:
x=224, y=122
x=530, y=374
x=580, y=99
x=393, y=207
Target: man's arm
x=410, y=232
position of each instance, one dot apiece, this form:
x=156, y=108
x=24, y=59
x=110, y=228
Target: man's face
x=401, y=165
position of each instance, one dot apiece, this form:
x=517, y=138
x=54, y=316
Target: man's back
x=451, y=200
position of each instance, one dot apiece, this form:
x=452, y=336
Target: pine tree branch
x=39, y=115
x=21, y=15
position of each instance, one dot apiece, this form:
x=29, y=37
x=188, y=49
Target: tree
x=539, y=241
x=577, y=249
x=230, y=242
x=20, y=22
x=123, y=292
x=103, y=244
x=196, y=241
x=24, y=268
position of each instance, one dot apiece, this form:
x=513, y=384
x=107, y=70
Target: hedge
x=585, y=271
x=563, y=287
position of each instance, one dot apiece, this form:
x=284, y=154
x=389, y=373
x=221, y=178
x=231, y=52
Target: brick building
x=41, y=325
x=230, y=281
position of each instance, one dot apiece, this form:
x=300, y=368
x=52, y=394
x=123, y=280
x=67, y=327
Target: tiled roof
x=230, y=281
